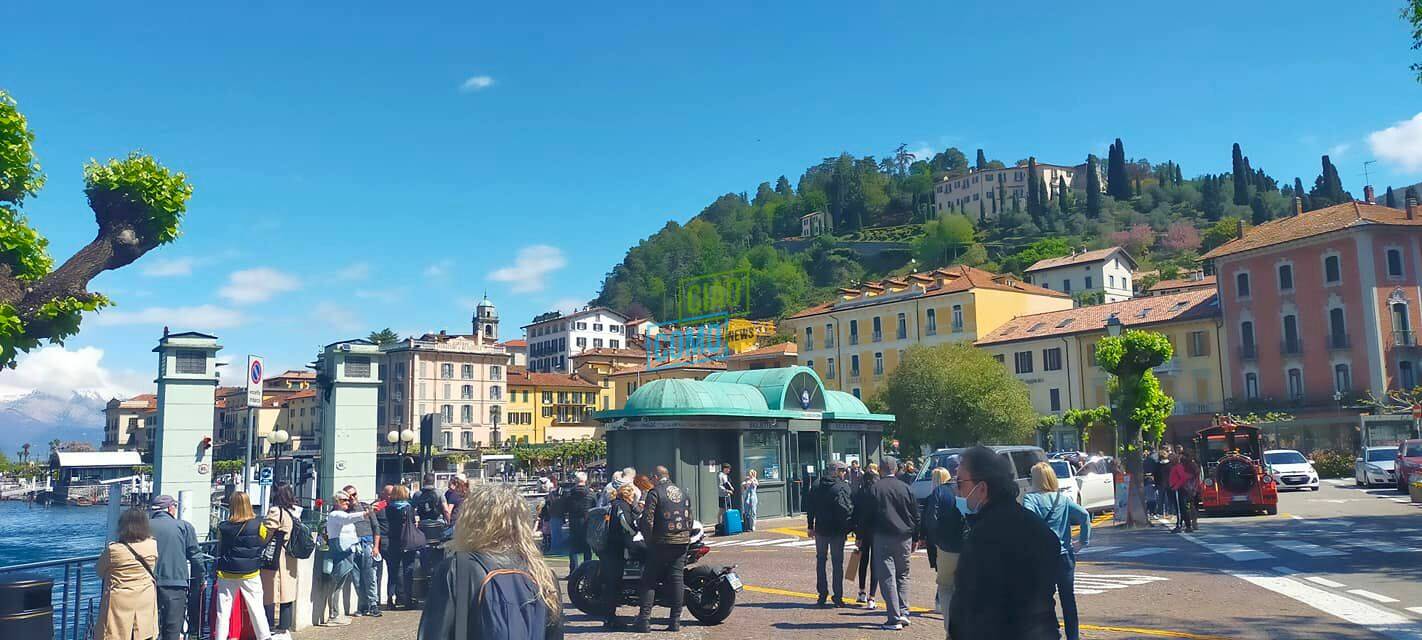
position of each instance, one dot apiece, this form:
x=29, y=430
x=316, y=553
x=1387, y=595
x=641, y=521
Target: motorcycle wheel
x=712, y=603
x=585, y=589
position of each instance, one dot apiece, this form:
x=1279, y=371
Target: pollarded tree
x=137, y=204
x=1139, y=404
x=957, y=394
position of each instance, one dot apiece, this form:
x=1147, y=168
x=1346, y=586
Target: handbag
x=853, y=573
x=271, y=552
x=414, y=536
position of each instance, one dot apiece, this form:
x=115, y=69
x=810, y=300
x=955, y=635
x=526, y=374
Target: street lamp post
x=403, y=439
x=277, y=439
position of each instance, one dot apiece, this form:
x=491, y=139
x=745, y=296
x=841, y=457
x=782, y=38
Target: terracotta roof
x=296, y=373
x=1313, y=223
x=1135, y=312
x=304, y=393
x=680, y=363
x=1077, y=258
x=614, y=353
x=515, y=343
x=1182, y=283
x=784, y=348
x=955, y=279
x=519, y=376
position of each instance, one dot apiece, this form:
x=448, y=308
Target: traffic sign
x=265, y=478
x=255, y=377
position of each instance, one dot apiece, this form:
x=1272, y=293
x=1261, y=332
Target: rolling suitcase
x=731, y=522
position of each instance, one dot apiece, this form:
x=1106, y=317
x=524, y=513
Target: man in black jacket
x=1006, y=572
x=829, y=515
x=576, y=502
x=666, y=526
x=894, y=521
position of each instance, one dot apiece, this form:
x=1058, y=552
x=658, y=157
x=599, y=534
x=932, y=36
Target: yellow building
x=856, y=340
x=598, y=365
x=549, y=406
x=1054, y=354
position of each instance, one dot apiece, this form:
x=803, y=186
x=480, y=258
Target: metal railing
x=1290, y=347
x=1404, y=338
x=1248, y=352
x=1338, y=341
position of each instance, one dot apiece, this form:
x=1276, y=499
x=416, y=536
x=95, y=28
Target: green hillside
x=1163, y=220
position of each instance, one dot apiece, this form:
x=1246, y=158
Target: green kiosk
x=781, y=422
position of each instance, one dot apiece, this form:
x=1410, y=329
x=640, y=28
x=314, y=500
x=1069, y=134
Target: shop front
x=781, y=423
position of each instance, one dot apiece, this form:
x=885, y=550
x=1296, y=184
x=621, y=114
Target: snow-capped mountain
x=38, y=417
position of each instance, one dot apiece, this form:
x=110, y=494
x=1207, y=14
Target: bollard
x=25, y=607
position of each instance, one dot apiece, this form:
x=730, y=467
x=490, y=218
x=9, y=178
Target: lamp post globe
x=392, y=437
x=407, y=435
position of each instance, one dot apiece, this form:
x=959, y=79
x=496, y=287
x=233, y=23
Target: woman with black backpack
x=279, y=576
x=240, y=541
x=399, y=514
x=493, y=583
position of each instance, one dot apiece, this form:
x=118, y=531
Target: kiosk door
x=804, y=466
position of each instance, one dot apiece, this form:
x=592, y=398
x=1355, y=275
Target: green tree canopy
x=1139, y=405
x=137, y=203
x=383, y=337
x=957, y=394
x=943, y=240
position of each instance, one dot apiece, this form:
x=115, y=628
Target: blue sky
x=357, y=167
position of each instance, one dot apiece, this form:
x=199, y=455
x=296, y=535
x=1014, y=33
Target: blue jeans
x=366, y=587
x=1066, y=593
x=555, y=535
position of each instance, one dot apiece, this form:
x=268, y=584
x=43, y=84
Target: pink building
x=1320, y=307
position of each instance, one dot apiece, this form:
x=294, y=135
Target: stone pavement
x=393, y=625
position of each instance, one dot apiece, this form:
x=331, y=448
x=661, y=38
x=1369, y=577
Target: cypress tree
x=1093, y=187
x=1178, y=177
x=1301, y=195
x=1118, y=184
x=1034, y=194
x=1261, y=212
x=982, y=160
x=1389, y=199
x=1136, y=185
x=1241, y=190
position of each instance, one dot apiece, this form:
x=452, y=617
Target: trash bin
x=25, y=607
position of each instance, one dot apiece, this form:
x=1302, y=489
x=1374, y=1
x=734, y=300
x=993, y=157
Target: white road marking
x=1378, y=546
x=1416, y=610
x=1295, y=517
x=1138, y=553
x=1335, y=523
x=1286, y=571
x=802, y=543
x=1401, y=500
x=1095, y=549
x=761, y=543
x=1381, y=621
x=1236, y=552
x=1311, y=550
x=1325, y=582
x=1376, y=597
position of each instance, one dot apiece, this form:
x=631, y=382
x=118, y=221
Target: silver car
x=1375, y=466
x=1022, y=458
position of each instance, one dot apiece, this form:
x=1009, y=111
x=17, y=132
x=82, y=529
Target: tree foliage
x=1084, y=419
x=944, y=240
x=1412, y=14
x=1139, y=405
x=383, y=337
x=957, y=394
x=138, y=204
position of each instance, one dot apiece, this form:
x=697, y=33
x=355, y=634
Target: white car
x=1093, y=490
x=1375, y=466
x=1290, y=469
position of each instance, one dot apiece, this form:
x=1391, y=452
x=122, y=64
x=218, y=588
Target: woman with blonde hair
x=1060, y=513
x=493, y=552
x=621, y=531
x=239, y=564
x=750, y=498
x=942, y=529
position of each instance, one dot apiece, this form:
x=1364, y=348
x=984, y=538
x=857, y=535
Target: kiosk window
x=762, y=453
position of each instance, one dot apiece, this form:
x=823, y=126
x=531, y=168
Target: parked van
x=1022, y=457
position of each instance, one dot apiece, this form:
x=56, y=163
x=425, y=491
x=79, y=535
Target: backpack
x=508, y=604
x=300, y=544
x=599, y=520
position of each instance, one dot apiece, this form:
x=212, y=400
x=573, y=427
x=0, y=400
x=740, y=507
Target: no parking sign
x=255, y=377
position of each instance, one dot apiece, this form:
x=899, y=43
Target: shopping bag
x=853, y=573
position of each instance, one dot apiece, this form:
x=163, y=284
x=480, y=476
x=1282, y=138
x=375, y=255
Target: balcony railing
x=931, y=330
x=1404, y=338
x=853, y=338
x=1248, y=352
x=1290, y=347
x=878, y=336
x=1338, y=341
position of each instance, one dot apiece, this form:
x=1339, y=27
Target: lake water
x=33, y=533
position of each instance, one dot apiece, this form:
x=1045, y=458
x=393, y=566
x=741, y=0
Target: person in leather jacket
x=666, y=526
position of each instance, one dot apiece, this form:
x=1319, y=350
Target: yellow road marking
x=1154, y=633
x=798, y=532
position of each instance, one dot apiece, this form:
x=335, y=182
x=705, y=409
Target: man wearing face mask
x=1006, y=573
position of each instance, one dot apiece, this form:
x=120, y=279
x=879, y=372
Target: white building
x=554, y=338
x=460, y=377
x=1109, y=271
x=990, y=191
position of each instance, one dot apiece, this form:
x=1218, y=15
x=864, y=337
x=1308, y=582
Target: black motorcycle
x=710, y=592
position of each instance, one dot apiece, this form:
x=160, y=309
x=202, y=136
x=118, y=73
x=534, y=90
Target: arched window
x=1251, y=386
x=1241, y=284
x=1401, y=325
x=1296, y=387
x=1342, y=378
x=1337, y=329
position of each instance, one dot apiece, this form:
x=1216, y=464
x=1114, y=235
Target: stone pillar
x=182, y=439
x=348, y=378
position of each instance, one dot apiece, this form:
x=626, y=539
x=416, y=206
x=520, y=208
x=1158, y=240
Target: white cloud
x=200, y=318
x=439, y=269
x=569, y=305
x=1339, y=149
x=257, y=285
x=169, y=267
x=532, y=264
x=1400, y=144
x=353, y=271
x=476, y=83
x=921, y=151
x=60, y=372
x=336, y=317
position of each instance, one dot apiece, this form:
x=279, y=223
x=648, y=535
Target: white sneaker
x=893, y=626
x=339, y=621
x=869, y=604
